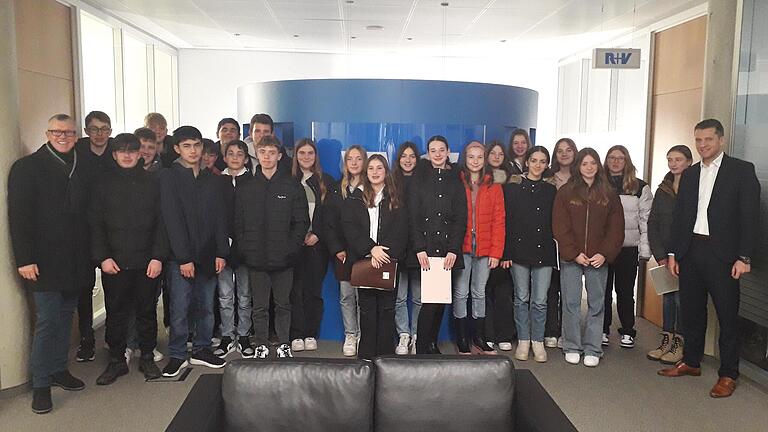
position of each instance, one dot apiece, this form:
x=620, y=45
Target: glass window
x=165, y=80
x=98, y=66
x=136, y=84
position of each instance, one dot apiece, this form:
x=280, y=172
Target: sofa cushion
x=299, y=394
x=444, y=393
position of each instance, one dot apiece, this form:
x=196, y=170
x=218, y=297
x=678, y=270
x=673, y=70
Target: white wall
x=208, y=79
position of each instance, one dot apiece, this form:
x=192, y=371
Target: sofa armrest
x=535, y=410
x=202, y=409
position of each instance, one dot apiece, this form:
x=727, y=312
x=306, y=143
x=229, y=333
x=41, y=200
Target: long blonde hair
x=317, y=169
x=630, y=185
x=346, y=176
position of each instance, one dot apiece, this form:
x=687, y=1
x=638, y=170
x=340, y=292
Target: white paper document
x=663, y=282
x=436, y=283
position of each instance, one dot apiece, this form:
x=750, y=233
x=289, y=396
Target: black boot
x=479, y=344
x=433, y=349
x=41, y=400
x=148, y=367
x=115, y=369
x=462, y=343
x=65, y=380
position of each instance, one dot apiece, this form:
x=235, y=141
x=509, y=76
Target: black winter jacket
x=193, y=210
x=392, y=232
x=228, y=192
x=126, y=220
x=47, y=206
x=528, y=206
x=271, y=220
x=660, y=220
x=102, y=162
x=438, y=212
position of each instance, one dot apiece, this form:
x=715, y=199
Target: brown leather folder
x=365, y=276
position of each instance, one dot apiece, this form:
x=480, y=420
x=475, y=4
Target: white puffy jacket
x=637, y=208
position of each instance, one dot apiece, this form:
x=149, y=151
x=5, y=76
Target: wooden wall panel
x=679, y=57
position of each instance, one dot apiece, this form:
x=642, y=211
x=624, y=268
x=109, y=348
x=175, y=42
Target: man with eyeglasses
x=48, y=193
x=93, y=150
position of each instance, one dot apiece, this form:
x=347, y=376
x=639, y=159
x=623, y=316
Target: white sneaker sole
x=197, y=362
x=401, y=350
x=178, y=371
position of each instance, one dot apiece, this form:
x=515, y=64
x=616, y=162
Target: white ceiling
x=423, y=27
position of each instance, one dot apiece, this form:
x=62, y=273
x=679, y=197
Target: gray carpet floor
x=622, y=394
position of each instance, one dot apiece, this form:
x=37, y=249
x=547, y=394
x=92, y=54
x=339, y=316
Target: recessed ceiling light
x=350, y=1
x=353, y=37
x=410, y=38
x=503, y=40
x=237, y=34
x=296, y=35
x=444, y=4
x=374, y=27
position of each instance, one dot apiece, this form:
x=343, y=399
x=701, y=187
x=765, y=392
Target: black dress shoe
x=65, y=380
x=433, y=349
x=41, y=400
x=115, y=369
x=148, y=367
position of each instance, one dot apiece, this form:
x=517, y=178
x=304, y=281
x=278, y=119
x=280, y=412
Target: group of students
x=248, y=237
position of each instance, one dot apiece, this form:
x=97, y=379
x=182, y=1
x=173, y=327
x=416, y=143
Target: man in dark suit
x=715, y=224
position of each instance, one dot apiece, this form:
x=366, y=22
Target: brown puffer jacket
x=590, y=227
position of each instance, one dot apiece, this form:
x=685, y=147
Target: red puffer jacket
x=490, y=219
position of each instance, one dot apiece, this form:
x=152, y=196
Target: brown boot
x=664, y=347
x=675, y=353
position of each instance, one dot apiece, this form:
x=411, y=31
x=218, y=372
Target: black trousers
x=499, y=310
x=125, y=292
x=307, y=293
x=702, y=273
x=377, y=322
x=430, y=318
x=554, y=326
x=622, y=274
x=85, y=317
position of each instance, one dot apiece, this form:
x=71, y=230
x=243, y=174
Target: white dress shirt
x=707, y=179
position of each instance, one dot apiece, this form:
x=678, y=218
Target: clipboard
x=663, y=282
x=436, y=283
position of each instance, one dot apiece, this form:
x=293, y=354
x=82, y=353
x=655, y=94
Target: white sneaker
x=413, y=344
x=157, y=355
x=284, y=351
x=128, y=355
x=627, y=341
x=505, y=346
x=262, y=352
x=523, y=347
x=550, y=342
x=350, y=346
x=539, y=352
x=297, y=345
x=605, y=341
x=572, y=358
x=591, y=361
x=310, y=344
x=402, y=345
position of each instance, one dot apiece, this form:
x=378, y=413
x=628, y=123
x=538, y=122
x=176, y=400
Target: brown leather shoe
x=724, y=387
x=680, y=369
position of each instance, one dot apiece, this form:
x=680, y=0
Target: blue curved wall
x=379, y=115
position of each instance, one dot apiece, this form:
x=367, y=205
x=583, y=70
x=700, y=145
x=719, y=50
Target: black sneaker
x=41, y=400
x=148, y=367
x=245, y=347
x=205, y=357
x=174, y=366
x=114, y=370
x=226, y=346
x=85, y=352
x=65, y=380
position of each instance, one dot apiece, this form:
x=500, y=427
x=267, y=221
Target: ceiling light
x=374, y=27
x=296, y=35
x=444, y=4
x=353, y=37
x=503, y=40
x=237, y=34
x=350, y=1
x=409, y=38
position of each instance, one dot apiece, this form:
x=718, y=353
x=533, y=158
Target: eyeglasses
x=616, y=158
x=102, y=130
x=58, y=133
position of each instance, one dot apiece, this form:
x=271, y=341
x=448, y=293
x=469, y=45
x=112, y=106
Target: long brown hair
x=600, y=191
x=317, y=169
x=369, y=195
x=345, y=175
x=463, y=163
x=555, y=164
x=397, y=171
x=630, y=185
x=517, y=132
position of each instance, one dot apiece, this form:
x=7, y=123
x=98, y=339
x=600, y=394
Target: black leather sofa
x=390, y=394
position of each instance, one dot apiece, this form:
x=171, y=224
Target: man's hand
x=220, y=264
x=188, y=270
x=154, y=268
x=673, y=266
x=29, y=272
x=739, y=268
x=450, y=260
x=109, y=266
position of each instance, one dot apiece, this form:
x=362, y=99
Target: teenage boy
x=148, y=150
x=271, y=219
x=47, y=205
x=210, y=155
x=262, y=125
x=92, y=148
x=227, y=131
x=233, y=280
x=165, y=144
x=192, y=208
x=129, y=241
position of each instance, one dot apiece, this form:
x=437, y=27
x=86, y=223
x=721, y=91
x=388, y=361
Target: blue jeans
x=471, y=278
x=50, y=344
x=191, y=298
x=231, y=283
x=531, y=286
x=671, y=312
x=571, y=286
x=408, y=280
